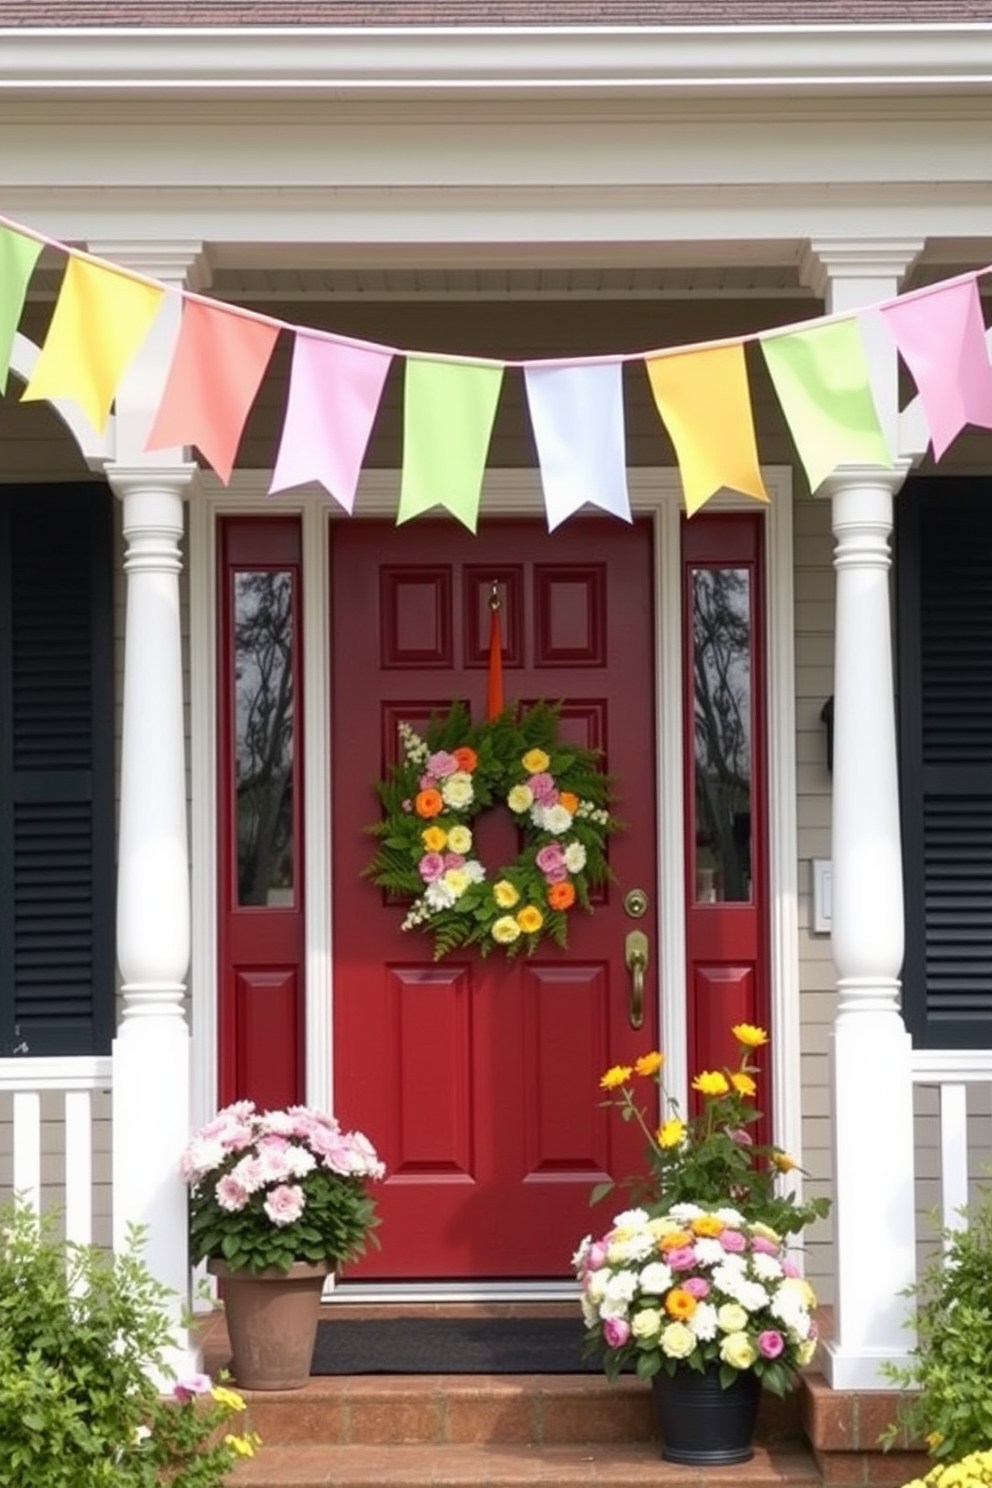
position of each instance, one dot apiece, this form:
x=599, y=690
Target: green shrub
x=83, y=1336
x=950, y=1370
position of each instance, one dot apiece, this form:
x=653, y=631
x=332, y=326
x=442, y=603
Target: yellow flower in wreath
x=530, y=919
x=459, y=840
x=434, y=839
x=505, y=894
x=535, y=761
x=505, y=930
x=520, y=799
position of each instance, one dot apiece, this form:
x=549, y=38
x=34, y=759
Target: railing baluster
x=79, y=1166
x=27, y=1147
x=953, y=1154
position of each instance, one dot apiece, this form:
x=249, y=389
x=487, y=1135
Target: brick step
x=509, y=1465
x=457, y=1410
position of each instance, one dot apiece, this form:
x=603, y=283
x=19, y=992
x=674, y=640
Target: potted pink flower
x=279, y=1199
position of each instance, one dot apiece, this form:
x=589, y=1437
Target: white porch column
x=151, y=1078
x=872, y=1095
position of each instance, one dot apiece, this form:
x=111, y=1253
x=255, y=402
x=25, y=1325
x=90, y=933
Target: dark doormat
x=440, y=1345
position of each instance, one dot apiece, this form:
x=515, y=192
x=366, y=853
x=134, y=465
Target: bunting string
x=701, y=390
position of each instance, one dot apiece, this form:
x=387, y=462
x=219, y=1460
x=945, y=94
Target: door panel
x=479, y=1080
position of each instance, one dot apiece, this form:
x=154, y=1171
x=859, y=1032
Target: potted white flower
x=277, y=1200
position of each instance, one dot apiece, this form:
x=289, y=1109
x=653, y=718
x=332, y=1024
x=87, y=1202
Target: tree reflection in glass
x=263, y=661
x=721, y=626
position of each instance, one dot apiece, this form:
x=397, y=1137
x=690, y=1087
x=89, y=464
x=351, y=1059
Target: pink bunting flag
x=217, y=366
x=334, y=393
x=940, y=334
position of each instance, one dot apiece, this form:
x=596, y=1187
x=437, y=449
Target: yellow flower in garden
x=649, y=1064
x=530, y=919
x=434, y=839
x=230, y=1398
x=784, y=1162
x=707, y=1224
x=711, y=1082
x=618, y=1075
x=459, y=840
x=520, y=799
x=671, y=1132
x=743, y=1083
x=535, y=760
x=749, y=1036
x=680, y=1304
x=933, y=1439
x=243, y=1446
x=505, y=894
x=505, y=930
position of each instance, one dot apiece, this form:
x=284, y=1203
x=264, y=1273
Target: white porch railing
x=63, y=1090
x=964, y=1149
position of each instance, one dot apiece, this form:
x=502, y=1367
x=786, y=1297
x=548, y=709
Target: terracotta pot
x=700, y=1423
x=272, y=1322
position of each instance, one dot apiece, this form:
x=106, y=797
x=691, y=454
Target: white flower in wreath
x=554, y=819
x=474, y=871
x=575, y=857
x=458, y=791
x=440, y=895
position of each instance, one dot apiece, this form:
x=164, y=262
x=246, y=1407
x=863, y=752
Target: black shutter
x=56, y=770
x=944, y=578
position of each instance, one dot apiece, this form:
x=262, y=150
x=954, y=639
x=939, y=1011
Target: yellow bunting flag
x=100, y=320
x=703, y=399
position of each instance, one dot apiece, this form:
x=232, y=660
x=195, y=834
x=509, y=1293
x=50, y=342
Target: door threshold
x=450, y=1291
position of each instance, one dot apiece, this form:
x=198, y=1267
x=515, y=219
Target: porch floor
x=462, y=1431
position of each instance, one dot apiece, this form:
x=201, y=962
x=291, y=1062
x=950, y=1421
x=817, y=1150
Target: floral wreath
x=556, y=793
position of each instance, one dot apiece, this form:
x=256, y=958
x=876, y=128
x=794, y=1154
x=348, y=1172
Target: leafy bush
x=83, y=1335
x=950, y=1370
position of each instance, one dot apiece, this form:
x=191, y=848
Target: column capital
x=846, y=478
x=179, y=479
x=181, y=262
x=824, y=260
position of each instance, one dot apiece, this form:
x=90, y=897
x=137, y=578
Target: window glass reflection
x=721, y=629
x=264, y=743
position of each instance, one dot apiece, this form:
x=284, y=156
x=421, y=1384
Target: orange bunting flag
x=100, y=320
x=217, y=367
x=704, y=402
x=494, y=693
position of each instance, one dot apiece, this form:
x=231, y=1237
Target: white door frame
x=655, y=492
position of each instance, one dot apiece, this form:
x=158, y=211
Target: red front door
x=477, y=1080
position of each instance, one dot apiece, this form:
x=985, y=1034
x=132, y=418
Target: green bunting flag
x=448, y=413
x=18, y=256
x=821, y=378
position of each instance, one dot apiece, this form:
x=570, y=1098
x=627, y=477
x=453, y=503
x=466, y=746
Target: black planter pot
x=701, y=1424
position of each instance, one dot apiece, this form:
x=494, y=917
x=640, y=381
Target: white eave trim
x=710, y=60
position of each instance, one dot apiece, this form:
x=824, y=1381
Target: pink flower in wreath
x=543, y=788
x=431, y=867
x=454, y=860
x=442, y=764
x=616, y=1331
x=550, y=858
x=556, y=875
x=284, y=1204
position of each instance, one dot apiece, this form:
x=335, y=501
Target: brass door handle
x=635, y=951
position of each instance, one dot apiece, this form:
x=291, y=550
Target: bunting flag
x=101, y=317
x=821, y=378
x=495, y=702
x=448, y=414
x=704, y=402
x=577, y=417
x=218, y=363
x=334, y=393
x=941, y=338
x=18, y=256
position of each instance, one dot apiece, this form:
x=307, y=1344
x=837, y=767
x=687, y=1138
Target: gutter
x=660, y=61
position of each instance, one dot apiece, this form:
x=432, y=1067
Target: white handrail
x=951, y=1072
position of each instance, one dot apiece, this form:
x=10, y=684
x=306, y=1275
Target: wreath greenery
x=556, y=793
